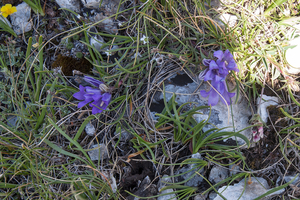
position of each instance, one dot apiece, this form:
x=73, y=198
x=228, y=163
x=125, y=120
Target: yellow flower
x=8, y=9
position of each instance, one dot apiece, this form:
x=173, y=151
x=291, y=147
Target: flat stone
x=263, y=104
x=218, y=174
x=73, y=5
x=20, y=19
x=292, y=55
x=245, y=191
x=100, y=152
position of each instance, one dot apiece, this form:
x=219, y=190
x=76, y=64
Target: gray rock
x=289, y=178
x=90, y=129
x=12, y=120
x=199, y=197
x=245, y=191
x=20, y=19
x=291, y=56
x=163, y=183
x=125, y=136
x=96, y=40
x=108, y=24
x=73, y=5
x=233, y=169
x=218, y=174
x=263, y=104
x=212, y=195
x=99, y=152
x=196, y=180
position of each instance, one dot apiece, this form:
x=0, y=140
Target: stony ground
x=158, y=138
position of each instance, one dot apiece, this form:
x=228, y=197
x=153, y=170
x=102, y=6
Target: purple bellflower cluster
x=216, y=73
x=98, y=97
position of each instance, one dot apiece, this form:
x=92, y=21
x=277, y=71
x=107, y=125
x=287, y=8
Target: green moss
x=68, y=64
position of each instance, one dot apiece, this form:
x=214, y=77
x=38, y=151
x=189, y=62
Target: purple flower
x=216, y=73
x=98, y=97
x=218, y=89
x=226, y=58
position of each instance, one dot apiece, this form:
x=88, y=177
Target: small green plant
x=69, y=46
x=76, y=37
x=79, y=55
x=5, y=27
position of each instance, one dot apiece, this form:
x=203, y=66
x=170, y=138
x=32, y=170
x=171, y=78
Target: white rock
x=218, y=174
x=228, y=19
x=245, y=191
x=262, y=105
x=292, y=55
x=163, y=183
x=73, y=5
x=90, y=129
x=99, y=152
x=20, y=19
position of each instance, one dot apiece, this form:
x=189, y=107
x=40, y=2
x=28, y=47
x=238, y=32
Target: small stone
x=20, y=19
x=289, y=178
x=263, y=104
x=125, y=136
x=218, y=174
x=163, y=183
x=245, y=190
x=108, y=24
x=199, y=197
x=292, y=55
x=73, y=5
x=99, y=152
x=196, y=180
x=90, y=129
